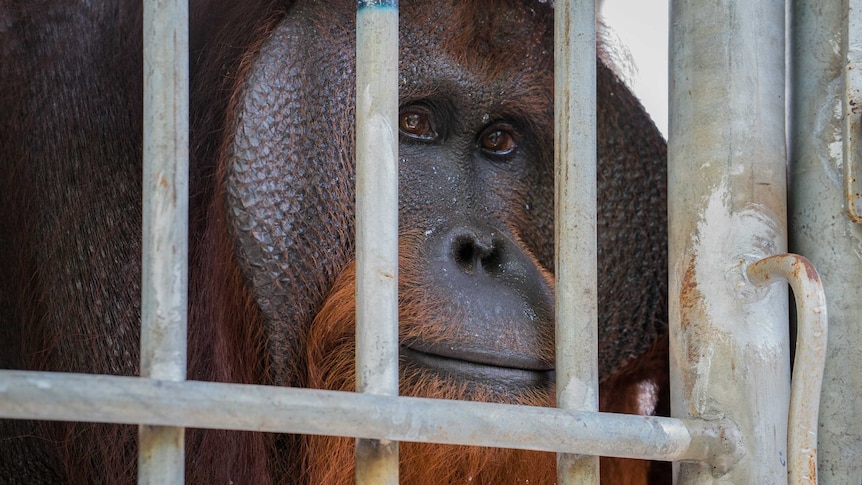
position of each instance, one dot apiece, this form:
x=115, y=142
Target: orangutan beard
x=331, y=365
x=330, y=460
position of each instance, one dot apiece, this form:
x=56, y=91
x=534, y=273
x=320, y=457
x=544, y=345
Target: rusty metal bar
x=809, y=361
x=377, y=223
x=165, y=226
x=575, y=216
x=729, y=339
x=824, y=149
x=65, y=396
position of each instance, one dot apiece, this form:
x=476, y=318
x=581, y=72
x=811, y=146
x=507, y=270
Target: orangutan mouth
x=495, y=371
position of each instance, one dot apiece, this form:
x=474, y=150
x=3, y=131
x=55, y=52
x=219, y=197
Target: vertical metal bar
x=165, y=225
x=377, y=223
x=825, y=45
x=575, y=216
x=729, y=339
x=851, y=49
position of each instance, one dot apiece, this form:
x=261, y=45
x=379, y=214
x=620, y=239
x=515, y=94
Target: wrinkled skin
x=272, y=271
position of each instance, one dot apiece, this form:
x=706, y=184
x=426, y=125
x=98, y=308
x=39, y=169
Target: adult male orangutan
x=271, y=232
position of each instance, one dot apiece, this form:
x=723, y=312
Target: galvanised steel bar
x=809, y=361
x=377, y=223
x=825, y=56
x=66, y=396
x=729, y=339
x=165, y=225
x=575, y=222
x=851, y=51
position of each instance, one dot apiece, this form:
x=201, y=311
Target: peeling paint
x=826, y=121
x=578, y=391
x=724, y=243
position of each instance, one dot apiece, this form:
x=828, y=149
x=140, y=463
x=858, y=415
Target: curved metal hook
x=810, y=358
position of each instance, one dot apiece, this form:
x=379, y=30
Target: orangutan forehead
x=502, y=33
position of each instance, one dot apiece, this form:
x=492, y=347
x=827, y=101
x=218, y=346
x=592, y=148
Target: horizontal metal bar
x=196, y=404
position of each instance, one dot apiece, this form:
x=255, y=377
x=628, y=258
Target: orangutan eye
x=415, y=122
x=498, y=139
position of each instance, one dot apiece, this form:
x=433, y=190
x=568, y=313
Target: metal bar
x=90, y=398
x=809, y=361
x=820, y=228
x=852, y=136
x=729, y=339
x=377, y=223
x=165, y=226
x=575, y=216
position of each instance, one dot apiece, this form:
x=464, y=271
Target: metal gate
x=730, y=339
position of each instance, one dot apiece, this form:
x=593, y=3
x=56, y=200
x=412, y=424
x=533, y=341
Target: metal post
x=165, y=226
x=575, y=216
x=826, y=46
x=377, y=223
x=729, y=339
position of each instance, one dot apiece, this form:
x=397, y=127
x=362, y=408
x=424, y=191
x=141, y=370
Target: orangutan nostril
x=471, y=253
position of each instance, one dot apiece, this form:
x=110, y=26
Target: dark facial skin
x=476, y=162
x=476, y=178
x=476, y=189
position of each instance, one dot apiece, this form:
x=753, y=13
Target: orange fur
x=638, y=388
x=330, y=352
x=331, y=366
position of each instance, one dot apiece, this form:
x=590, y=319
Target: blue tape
x=377, y=3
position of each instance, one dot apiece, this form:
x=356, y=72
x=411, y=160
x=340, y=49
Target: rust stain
x=690, y=313
x=688, y=294
x=812, y=465
x=810, y=270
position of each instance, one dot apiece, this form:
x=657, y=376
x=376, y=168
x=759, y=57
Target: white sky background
x=641, y=27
